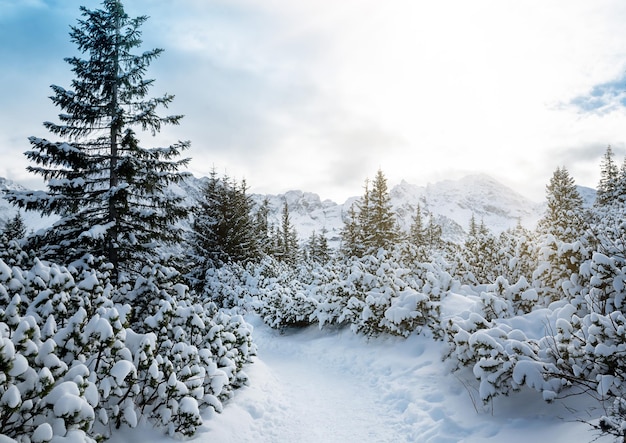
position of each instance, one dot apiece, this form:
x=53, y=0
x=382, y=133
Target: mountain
x=451, y=202
x=33, y=220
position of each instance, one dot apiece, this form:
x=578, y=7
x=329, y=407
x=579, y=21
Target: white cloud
x=317, y=94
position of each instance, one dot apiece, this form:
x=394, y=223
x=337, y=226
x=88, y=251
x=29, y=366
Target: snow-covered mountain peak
x=33, y=220
x=10, y=185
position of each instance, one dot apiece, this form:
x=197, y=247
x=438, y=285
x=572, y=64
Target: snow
x=42, y=433
x=11, y=397
x=121, y=369
x=331, y=385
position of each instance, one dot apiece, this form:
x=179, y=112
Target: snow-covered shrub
x=12, y=254
x=198, y=353
x=503, y=300
x=386, y=296
x=502, y=358
x=229, y=286
x=75, y=364
x=331, y=291
x=558, y=265
x=614, y=422
x=606, y=283
x=38, y=393
x=282, y=299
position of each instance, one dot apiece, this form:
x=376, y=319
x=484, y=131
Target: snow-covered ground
x=331, y=385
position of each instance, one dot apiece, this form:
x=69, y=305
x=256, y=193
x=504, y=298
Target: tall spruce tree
x=351, y=239
x=223, y=229
x=381, y=231
x=109, y=191
x=375, y=225
x=607, y=189
x=565, y=217
x=287, y=238
x=417, y=231
x=560, y=241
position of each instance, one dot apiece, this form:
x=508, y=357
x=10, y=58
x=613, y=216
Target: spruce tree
x=561, y=242
x=417, y=232
x=609, y=178
x=517, y=254
x=109, y=191
x=565, y=216
x=287, y=238
x=479, y=254
x=374, y=226
x=620, y=188
x=223, y=229
x=317, y=247
x=364, y=216
x=15, y=228
x=11, y=239
x=433, y=235
x=351, y=245
x=262, y=228
x=381, y=231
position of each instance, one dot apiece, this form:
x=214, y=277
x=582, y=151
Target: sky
x=318, y=95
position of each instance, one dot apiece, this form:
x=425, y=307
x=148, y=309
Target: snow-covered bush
x=559, y=263
x=374, y=294
x=502, y=358
x=282, y=296
x=74, y=363
x=503, y=300
x=230, y=285
x=387, y=296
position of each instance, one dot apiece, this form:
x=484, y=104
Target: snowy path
x=333, y=386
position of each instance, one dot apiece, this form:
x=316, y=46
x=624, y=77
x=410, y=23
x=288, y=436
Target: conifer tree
x=417, y=232
x=109, y=190
x=434, y=234
x=262, y=228
x=11, y=239
x=287, y=238
x=609, y=178
x=381, y=229
x=364, y=216
x=374, y=226
x=351, y=245
x=204, y=236
x=480, y=254
x=15, y=228
x=565, y=215
x=517, y=254
x=620, y=188
x=561, y=242
x=223, y=229
x=317, y=247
